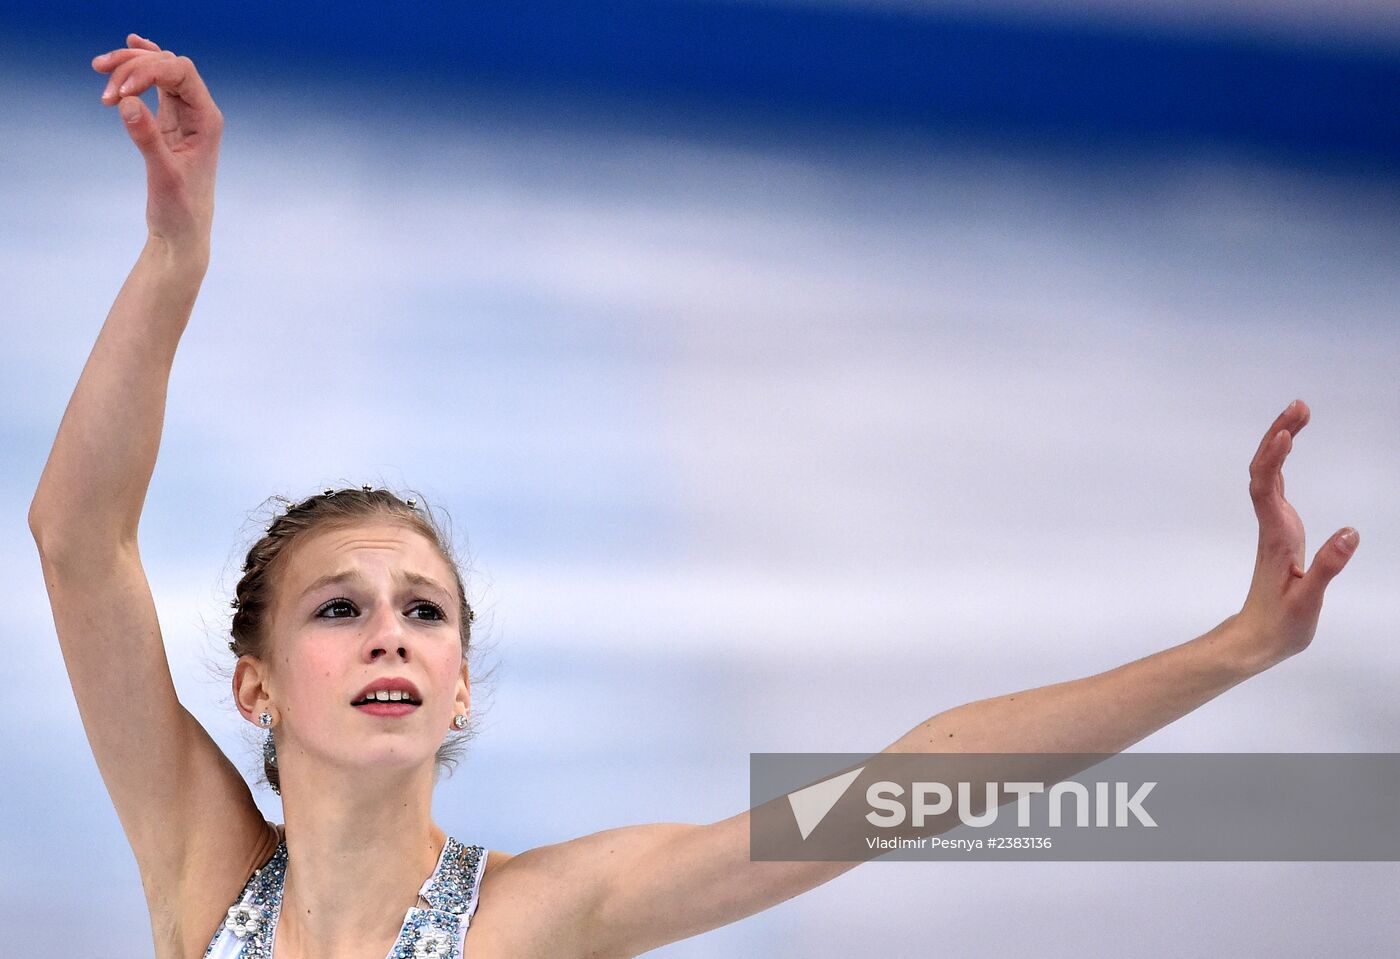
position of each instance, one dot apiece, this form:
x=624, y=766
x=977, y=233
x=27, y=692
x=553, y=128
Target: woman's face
x=353, y=606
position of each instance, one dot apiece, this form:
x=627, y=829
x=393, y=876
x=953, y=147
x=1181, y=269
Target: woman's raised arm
x=94, y=484
x=640, y=887
x=184, y=807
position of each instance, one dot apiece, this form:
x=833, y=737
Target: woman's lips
x=387, y=709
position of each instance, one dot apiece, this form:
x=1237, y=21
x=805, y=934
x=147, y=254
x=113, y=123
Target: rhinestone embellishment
x=243, y=919
x=432, y=944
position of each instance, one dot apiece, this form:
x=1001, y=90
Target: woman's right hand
x=180, y=143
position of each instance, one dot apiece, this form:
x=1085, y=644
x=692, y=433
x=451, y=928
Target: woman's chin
x=400, y=757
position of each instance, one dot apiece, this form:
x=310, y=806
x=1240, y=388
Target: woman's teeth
x=385, y=696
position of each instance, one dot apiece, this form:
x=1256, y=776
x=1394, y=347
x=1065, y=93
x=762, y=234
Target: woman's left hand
x=1280, y=614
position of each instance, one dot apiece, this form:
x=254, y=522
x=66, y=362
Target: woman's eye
x=333, y=604
x=434, y=608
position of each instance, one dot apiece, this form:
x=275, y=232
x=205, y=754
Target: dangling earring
x=270, y=758
x=269, y=748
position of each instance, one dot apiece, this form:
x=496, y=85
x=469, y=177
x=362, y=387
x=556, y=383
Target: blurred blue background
x=790, y=372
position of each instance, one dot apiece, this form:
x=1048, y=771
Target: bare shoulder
x=496, y=860
x=563, y=866
x=625, y=891
x=547, y=901
x=533, y=904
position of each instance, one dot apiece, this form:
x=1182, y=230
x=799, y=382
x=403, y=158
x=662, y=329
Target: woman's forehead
x=356, y=553
x=382, y=535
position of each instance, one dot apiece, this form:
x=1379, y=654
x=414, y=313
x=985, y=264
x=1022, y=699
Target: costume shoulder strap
x=455, y=886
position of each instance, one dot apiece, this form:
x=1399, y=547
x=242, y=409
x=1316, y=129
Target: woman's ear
x=464, y=690
x=250, y=691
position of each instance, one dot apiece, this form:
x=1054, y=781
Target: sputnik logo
x=810, y=804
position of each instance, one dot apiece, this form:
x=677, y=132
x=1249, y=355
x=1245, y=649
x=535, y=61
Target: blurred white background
x=759, y=438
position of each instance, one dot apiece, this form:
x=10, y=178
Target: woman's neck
x=358, y=850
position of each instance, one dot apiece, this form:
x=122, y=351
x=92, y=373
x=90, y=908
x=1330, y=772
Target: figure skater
x=361, y=694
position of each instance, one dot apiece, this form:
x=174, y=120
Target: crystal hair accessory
x=327, y=492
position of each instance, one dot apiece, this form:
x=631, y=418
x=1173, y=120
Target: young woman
x=352, y=598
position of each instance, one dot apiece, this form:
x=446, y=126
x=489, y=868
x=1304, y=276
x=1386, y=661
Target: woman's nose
x=387, y=634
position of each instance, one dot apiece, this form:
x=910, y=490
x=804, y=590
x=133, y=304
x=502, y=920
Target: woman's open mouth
x=401, y=705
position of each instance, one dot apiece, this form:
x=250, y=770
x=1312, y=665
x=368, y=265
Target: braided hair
x=262, y=570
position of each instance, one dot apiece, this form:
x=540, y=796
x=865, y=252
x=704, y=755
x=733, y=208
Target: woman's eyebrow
x=359, y=579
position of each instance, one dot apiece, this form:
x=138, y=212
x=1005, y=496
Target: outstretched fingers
x=1284, y=602
x=1266, y=469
